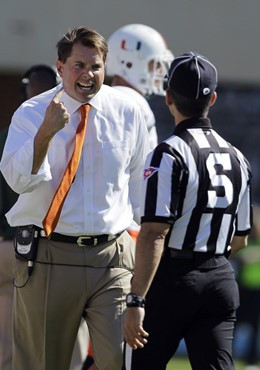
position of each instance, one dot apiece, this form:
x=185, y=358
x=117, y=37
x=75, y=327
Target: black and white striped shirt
x=199, y=184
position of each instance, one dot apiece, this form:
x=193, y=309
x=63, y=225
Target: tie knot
x=84, y=109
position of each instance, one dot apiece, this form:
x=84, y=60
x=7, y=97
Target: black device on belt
x=26, y=245
x=26, y=242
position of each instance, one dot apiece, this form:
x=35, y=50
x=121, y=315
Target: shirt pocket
x=116, y=159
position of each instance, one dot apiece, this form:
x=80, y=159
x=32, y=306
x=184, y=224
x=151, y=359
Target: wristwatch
x=134, y=300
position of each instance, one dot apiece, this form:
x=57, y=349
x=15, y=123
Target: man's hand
x=134, y=333
x=56, y=116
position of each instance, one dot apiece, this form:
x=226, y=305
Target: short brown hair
x=87, y=37
x=191, y=107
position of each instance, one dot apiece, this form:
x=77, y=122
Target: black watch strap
x=134, y=300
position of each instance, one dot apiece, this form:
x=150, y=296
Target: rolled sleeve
x=244, y=218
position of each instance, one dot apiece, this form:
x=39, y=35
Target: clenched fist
x=56, y=115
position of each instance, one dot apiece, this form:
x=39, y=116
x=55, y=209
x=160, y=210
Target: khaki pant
x=81, y=347
x=61, y=289
x=6, y=303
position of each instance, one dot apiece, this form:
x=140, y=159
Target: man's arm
x=25, y=149
x=55, y=119
x=149, y=250
x=238, y=243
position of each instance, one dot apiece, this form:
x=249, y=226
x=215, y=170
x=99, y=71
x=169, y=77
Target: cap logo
x=206, y=91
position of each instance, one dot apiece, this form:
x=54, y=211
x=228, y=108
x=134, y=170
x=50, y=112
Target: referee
x=196, y=212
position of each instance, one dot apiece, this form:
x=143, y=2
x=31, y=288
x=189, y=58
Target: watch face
x=129, y=299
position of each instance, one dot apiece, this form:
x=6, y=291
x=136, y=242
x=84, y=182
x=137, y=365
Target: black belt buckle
x=90, y=240
x=87, y=240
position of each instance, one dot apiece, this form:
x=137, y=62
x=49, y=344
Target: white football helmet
x=140, y=55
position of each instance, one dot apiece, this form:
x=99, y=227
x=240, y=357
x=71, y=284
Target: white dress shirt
x=148, y=113
x=149, y=120
x=106, y=191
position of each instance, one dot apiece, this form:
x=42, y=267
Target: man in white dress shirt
x=84, y=267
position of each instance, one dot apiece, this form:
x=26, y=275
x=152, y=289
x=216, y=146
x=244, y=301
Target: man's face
x=83, y=72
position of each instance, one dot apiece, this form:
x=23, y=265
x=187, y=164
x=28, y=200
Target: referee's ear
x=169, y=102
x=213, y=99
x=168, y=97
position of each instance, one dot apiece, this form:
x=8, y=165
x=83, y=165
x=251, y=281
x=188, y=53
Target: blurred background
x=226, y=31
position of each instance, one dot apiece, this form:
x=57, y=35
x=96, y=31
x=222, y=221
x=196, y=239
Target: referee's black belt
x=186, y=254
x=83, y=240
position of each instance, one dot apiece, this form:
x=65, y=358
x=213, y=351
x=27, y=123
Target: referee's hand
x=134, y=333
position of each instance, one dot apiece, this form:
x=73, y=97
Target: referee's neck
x=179, y=118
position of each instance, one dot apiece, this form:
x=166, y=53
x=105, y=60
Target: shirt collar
x=72, y=105
x=192, y=123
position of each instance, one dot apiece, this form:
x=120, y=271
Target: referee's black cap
x=192, y=76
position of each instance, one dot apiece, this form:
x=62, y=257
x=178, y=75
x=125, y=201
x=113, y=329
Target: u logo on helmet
x=123, y=45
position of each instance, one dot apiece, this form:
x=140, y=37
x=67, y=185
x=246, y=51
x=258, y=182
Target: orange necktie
x=51, y=219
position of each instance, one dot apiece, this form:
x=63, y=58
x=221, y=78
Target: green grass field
x=183, y=364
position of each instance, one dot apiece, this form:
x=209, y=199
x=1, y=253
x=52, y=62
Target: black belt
x=186, y=254
x=83, y=240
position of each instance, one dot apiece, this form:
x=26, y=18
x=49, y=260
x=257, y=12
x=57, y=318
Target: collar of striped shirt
x=192, y=123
